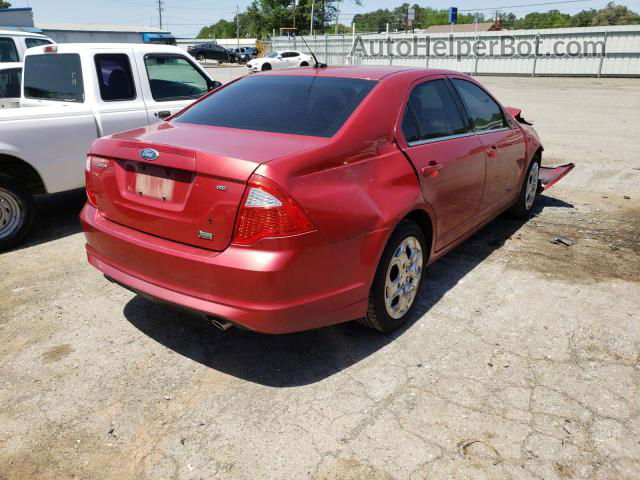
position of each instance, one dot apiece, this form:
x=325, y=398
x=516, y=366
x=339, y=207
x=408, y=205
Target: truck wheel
x=528, y=190
x=16, y=212
x=397, y=279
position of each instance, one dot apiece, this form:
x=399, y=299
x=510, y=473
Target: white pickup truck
x=73, y=94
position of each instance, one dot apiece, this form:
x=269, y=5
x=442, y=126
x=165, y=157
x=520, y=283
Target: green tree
x=4, y=4
x=614, y=14
x=583, y=18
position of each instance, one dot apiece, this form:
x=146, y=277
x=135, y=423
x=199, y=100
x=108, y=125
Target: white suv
x=14, y=43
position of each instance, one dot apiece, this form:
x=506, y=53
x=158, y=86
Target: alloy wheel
x=532, y=186
x=403, y=277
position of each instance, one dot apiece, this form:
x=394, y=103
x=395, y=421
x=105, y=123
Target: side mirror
x=279, y=57
x=214, y=84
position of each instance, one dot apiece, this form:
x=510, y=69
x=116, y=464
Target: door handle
x=163, y=114
x=432, y=169
x=492, y=150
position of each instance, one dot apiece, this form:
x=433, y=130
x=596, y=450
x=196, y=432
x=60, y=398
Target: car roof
x=21, y=33
x=373, y=72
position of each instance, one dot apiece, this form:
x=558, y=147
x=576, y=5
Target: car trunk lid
x=190, y=192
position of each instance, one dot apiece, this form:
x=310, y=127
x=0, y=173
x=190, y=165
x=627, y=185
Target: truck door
x=170, y=82
x=119, y=101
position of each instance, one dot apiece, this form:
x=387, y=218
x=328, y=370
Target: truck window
x=35, y=42
x=55, y=77
x=10, y=83
x=173, y=77
x=115, y=77
x=8, y=50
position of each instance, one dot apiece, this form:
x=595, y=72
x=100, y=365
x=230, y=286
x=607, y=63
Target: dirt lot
x=524, y=362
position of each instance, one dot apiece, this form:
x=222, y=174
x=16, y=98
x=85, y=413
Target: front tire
x=16, y=212
x=397, y=279
x=304, y=64
x=266, y=67
x=528, y=190
x=200, y=57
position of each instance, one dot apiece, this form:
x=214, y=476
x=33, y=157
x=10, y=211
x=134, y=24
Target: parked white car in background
x=283, y=59
x=14, y=44
x=73, y=94
x=10, y=76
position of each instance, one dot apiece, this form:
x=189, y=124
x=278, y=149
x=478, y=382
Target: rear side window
x=8, y=50
x=10, y=83
x=316, y=106
x=35, y=42
x=115, y=77
x=173, y=77
x=54, y=77
x=435, y=111
x=483, y=110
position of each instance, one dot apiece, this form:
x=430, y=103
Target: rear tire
x=17, y=210
x=397, y=279
x=266, y=67
x=304, y=64
x=528, y=190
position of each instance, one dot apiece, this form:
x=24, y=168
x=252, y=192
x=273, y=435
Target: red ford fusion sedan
x=286, y=201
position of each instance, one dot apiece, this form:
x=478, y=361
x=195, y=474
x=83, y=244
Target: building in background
x=99, y=33
x=22, y=19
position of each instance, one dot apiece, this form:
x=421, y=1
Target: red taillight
x=91, y=197
x=268, y=211
x=51, y=49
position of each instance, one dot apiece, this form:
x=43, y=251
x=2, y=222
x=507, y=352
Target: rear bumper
x=276, y=286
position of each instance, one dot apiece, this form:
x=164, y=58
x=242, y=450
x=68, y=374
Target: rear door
x=170, y=82
x=447, y=155
x=119, y=102
x=504, y=145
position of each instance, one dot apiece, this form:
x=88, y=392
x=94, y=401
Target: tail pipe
x=220, y=323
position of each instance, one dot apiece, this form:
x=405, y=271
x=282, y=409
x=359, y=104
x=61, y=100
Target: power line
x=522, y=5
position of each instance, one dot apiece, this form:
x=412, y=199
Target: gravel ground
x=522, y=363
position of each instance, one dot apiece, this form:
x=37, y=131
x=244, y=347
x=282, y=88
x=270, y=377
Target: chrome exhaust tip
x=219, y=323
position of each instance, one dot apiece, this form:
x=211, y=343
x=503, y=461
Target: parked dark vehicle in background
x=244, y=54
x=211, y=51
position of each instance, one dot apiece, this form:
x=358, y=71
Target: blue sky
x=185, y=17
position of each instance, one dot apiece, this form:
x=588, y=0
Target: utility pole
x=237, y=26
x=295, y=5
x=337, y=15
x=312, y=13
x=160, y=10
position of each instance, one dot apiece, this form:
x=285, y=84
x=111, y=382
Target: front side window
x=54, y=77
x=272, y=55
x=10, y=83
x=483, y=110
x=435, y=110
x=115, y=77
x=36, y=42
x=283, y=104
x=8, y=50
x=173, y=77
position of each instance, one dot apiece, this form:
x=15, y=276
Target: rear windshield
x=316, y=106
x=54, y=77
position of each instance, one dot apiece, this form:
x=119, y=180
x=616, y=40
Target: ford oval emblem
x=149, y=154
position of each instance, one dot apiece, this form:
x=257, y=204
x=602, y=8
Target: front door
x=172, y=82
x=448, y=157
x=504, y=145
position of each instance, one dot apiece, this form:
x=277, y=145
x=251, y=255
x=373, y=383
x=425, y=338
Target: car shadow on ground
x=308, y=357
x=56, y=217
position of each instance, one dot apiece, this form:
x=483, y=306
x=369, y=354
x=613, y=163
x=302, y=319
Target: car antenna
x=317, y=64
